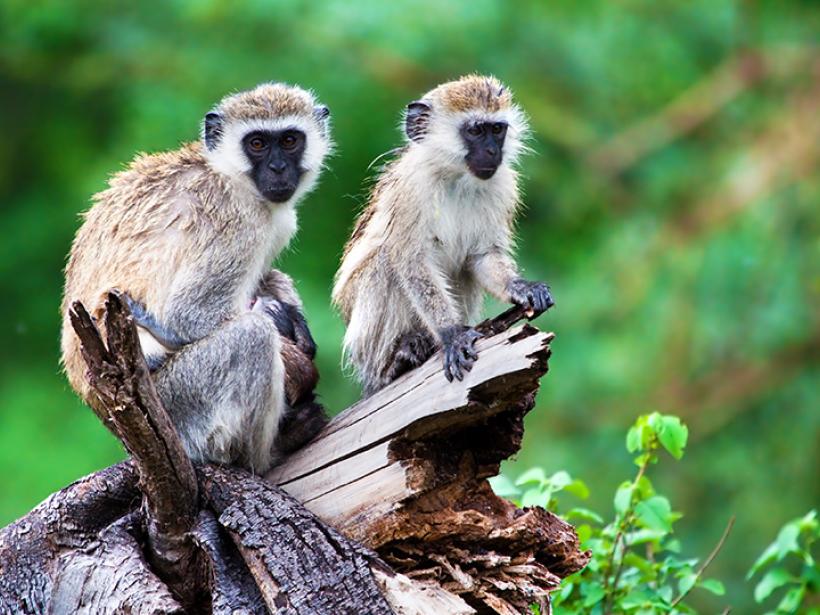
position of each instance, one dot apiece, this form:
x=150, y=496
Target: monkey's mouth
x=279, y=193
x=484, y=173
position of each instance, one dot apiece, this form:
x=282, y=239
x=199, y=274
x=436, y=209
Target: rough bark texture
x=404, y=472
x=389, y=509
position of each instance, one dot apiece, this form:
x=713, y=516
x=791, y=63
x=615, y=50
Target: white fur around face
x=444, y=147
x=229, y=159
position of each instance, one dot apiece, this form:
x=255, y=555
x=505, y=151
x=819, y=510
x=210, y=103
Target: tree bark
x=387, y=511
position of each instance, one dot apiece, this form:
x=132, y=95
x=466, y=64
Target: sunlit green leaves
x=650, y=430
x=790, y=563
x=635, y=567
x=535, y=488
x=656, y=513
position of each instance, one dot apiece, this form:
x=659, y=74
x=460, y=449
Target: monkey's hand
x=535, y=296
x=458, y=346
x=289, y=321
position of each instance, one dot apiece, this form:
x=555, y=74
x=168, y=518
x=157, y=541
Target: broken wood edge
x=119, y=377
x=425, y=393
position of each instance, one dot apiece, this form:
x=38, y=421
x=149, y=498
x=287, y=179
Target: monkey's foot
x=459, y=350
x=411, y=350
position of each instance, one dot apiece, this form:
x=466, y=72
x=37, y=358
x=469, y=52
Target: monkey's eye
x=475, y=130
x=498, y=128
x=257, y=144
x=288, y=141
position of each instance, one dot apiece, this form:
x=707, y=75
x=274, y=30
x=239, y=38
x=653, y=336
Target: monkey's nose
x=278, y=166
x=492, y=151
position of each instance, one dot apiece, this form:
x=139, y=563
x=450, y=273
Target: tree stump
x=388, y=510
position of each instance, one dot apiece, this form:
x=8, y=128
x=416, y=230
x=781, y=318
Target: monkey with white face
x=437, y=232
x=188, y=236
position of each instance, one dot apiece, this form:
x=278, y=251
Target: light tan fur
x=186, y=219
x=432, y=237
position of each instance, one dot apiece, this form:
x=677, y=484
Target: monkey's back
x=125, y=237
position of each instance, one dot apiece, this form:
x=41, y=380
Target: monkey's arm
x=495, y=270
x=148, y=321
x=426, y=289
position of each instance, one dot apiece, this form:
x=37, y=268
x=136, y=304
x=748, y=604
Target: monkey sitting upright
x=436, y=233
x=187, y=235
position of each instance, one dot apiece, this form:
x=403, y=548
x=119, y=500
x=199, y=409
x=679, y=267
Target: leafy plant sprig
x=789, y=564
x=635, y=565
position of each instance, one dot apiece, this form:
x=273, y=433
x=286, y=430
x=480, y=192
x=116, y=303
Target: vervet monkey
x=188, y=236
x=436, y=233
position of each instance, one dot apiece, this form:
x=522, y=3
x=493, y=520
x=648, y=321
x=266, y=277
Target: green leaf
x=786, y=540
x=503, y=486
x=791, y=601
x=645, y=535
x=584, y=532
x=623, y=497
x=578, y=488
x=535, y=497
x=655, y=513
x=635, y=599
x=633, y=439
x=672, y=434
x=687, y=582
x=559, y=480
x=767, y=557
x=808, y=523
x=593, y=593
x=533, y=475
x=714, y=586
x=774, y=579
x=584, y=514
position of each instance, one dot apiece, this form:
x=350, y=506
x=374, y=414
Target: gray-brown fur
x=432, y=239
x=186, y=235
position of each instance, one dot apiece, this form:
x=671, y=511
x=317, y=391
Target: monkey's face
x=485, y=146
x=276, y=161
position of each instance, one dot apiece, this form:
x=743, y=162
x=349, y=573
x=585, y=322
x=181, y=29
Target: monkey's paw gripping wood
x=396, y=515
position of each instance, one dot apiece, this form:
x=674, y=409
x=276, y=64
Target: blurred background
x=673, y=204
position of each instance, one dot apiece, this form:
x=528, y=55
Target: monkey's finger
x=453, y=367
x=467, y=364
x=456, y=365
x=471, y=353
x=447, y=373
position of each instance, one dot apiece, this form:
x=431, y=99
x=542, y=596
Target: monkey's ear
x=213, y=129
x=321, y=113
x=416, y=120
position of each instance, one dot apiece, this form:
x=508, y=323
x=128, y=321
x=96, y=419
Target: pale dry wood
x=408, y=597
x=349, y=467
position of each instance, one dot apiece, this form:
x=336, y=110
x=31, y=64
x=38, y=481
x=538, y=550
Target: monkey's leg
x=411, y=350
x=225, y=393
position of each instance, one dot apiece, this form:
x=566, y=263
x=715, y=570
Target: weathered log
x=404, y=472
x=398, y=515
x=130, y=407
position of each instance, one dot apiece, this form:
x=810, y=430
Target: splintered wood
x=404, y=472
x=387, y=510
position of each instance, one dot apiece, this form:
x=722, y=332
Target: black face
x=485, y=146
x=276, y=157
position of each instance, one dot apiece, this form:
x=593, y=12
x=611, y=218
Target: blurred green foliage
x=672, y=204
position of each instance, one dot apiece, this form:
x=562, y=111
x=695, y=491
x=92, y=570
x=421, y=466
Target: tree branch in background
x=695, y=106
